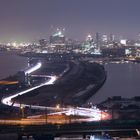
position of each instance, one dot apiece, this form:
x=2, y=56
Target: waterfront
x=10, y=63
x=122, y=79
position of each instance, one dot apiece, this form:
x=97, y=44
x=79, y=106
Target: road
x=8, y=100
x=94, y=113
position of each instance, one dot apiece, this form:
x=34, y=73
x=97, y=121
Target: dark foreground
x=116, y=128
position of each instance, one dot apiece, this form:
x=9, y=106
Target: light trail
x=36, y=67
x=93, y=113
x=8, y=100
x=8, y=82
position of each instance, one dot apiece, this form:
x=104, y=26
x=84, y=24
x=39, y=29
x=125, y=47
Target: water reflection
x=122, y=80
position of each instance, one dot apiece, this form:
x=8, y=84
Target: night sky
x=30, y=20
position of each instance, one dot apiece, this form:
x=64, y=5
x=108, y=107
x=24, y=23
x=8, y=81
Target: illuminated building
x=104, y=38
x=57, y=38
x=42, y=42
x=97, y=40
x=123, y=42
x=57, y=42
x=89, y=39
x=88, y=44
x=112, y=38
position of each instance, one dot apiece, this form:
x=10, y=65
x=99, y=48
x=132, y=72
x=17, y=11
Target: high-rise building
x=97, y=40
x=104, y=38
x=89, y=38
x=43, y=42
x=112, y=38
x=58, y=37
x=138, y=37
x=123, y=42
x=58, y=42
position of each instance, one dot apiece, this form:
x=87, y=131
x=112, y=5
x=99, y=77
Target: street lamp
x=58, y=106
x=22, y=111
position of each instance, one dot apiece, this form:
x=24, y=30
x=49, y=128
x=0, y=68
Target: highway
x=34, y=68
x=94, y=114
x=8, y=100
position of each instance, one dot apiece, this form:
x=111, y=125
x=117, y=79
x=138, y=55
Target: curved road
x=94, y=113
x=8, y=100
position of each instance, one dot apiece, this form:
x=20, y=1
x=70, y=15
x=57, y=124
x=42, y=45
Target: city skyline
x=35, y=19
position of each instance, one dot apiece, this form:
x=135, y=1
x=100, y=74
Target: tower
x=97, y=40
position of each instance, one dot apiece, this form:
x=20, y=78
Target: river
x=122, y=79
x=10, y=63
